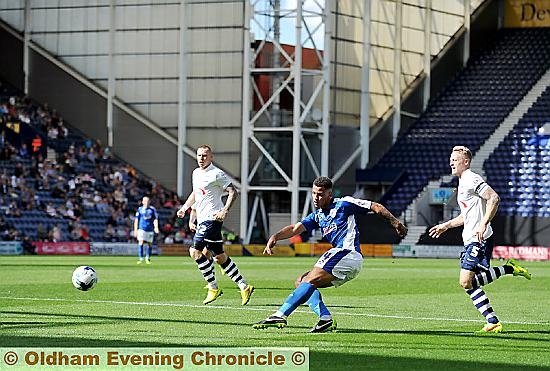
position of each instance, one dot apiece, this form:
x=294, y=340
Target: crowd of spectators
x=76, y=182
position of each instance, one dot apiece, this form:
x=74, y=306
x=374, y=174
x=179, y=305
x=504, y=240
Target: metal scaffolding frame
x=307, y=127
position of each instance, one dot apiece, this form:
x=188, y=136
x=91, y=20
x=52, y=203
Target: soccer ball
x=84, y=278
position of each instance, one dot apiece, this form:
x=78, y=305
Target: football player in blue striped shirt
x=146, y=224
x=335, y=217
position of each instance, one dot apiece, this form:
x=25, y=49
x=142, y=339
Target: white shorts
x=145, y=236
x=342, y=264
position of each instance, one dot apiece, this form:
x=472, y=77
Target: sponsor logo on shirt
x=331, y=228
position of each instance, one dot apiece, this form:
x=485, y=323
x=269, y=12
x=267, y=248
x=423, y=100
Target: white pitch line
x=180, y=305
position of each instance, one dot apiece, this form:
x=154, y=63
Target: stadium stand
x=65, y=187
x=519, y=169
x=467, y=112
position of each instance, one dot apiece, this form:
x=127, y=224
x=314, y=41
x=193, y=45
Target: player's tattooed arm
x=382, y=211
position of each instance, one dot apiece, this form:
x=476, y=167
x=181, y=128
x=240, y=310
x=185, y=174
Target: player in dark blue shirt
x=146, y=224
x=335, y=217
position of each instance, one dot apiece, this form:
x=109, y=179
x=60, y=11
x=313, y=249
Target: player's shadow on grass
x=448, y=333
x=86, y=342
x=20, y=325
x=107, y=319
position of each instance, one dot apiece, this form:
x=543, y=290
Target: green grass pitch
x=407, y=314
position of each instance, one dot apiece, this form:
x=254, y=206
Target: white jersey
x=472, y=207
x=208, y=185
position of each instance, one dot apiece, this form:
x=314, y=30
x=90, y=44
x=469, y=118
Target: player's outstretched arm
x=188, y=203
x=438, y=230
x=381, y=210
x=283, y=234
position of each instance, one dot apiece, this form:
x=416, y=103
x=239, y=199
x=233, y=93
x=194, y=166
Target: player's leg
x=486, y=276
x=473, y=260
x=344, y=266
x=201, y=240
x=334, y=268
x=517, y=270
x=215, y=244
x=140, y=245
x=316, y=304
x=148, y=253
x=299, y=296
x=232, y=271
x=148, y=239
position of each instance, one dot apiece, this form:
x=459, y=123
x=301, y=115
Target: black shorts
x=209, y=235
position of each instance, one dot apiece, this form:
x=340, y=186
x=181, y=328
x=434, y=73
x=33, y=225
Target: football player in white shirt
x=478, y=205
x=209, y=184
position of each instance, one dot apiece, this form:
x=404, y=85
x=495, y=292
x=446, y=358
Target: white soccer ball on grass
x=84, y=278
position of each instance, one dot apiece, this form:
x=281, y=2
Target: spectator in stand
x=180, y=236
x=51, y=211
x=123, y=233
x=84, y=233
x=19, y=170
x=2, y=137
x=53, y=133
x=74, y=229
x=62, y=131
x=13, y=210
x=5, y=185
x=6, y=153
x=41, y=232
x=55, y=234
x=23, y=152
x=58, y=190
x=109, y=234
x=103, y=205
x=4, y=228
x=28, y=247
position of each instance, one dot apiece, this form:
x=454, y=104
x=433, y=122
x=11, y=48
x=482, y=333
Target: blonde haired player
x=478, y=205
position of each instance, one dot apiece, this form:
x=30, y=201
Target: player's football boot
x=491, y=327
x=147, y=261
x=271, y=321
x=246, y=294
x=139, y=262
x=518, y=269
x=212, y=295
x=324, y=326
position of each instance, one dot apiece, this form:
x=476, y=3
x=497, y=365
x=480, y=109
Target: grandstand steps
x=413, y=235
x=508, y=124
x=410, y=215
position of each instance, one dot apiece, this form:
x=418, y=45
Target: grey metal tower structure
x=280, y=143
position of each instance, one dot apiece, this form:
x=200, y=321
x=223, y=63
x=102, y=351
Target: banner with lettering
x=526, y=13
x=62, y=248
x=521, y=252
